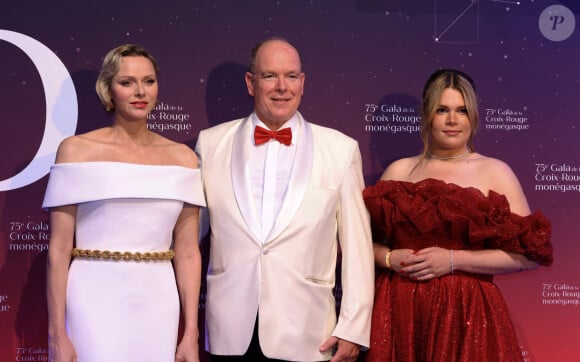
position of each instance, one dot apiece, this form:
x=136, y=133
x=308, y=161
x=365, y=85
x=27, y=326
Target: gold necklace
x=449, y=157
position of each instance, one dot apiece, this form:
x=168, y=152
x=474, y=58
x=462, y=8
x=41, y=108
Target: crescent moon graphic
x=61, y=108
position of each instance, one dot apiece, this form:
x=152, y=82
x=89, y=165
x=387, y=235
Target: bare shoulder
x=67, y=149
x=79, y=148
x=73, y=149
x=492, y=162
x=500, y=178
x=496, y=171
x=400, y=169
x=185, y=156
x=175, y=153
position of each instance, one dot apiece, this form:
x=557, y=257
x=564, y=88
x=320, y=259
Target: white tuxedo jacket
x=289, y=278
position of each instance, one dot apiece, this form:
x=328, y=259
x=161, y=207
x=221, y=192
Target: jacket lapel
x=241, y=151
x=299, y=178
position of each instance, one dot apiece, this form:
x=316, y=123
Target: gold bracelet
x=388, y=258
x=123, y=255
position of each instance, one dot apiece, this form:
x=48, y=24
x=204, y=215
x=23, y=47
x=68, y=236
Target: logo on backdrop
x=391, y=118
x=169, y=117
x=557, y=22
x=558, y=177
x=560, y=294
x=505, y=119
x=4, y=303
x=61, y=108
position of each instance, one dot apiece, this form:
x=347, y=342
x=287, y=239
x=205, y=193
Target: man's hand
x=346, y=351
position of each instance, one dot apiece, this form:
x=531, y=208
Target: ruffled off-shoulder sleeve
x=439, y=210
x=380, y=201
x=528, y=235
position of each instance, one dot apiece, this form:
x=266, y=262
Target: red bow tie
x=262, y=135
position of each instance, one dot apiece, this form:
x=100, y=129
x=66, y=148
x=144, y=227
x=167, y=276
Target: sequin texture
x=459, y=317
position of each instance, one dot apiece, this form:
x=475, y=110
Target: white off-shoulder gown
x=123, y=310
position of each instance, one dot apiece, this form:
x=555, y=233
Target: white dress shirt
x=270, y=167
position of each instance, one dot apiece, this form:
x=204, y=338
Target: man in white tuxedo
x=283, y=194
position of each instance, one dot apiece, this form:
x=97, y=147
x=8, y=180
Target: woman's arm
x=62, y=225
x=187, y=262
x=503, y=180
x=491, y=262
x=434, y=262
x=393, y=259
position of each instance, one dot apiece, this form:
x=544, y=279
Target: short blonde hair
x=110, y=68
x=436, y=84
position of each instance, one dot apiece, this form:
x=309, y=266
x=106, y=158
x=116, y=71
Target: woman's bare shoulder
x=185, y=156
x=493, y=168
x=80, y=147
x=73, y=148
x=176, y=153
x=400, y=169
x=499, y=177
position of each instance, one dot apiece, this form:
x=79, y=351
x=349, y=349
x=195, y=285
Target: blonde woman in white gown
x=124, y=210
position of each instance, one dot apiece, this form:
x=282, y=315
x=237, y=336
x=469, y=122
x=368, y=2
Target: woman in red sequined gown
x=444, y=222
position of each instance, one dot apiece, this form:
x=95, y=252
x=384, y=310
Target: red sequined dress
x=458, y=317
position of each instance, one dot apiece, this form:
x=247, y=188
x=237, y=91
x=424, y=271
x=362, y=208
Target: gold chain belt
x=123, y=255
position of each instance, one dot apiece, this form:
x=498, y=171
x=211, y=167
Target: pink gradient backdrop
x=366, y=62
